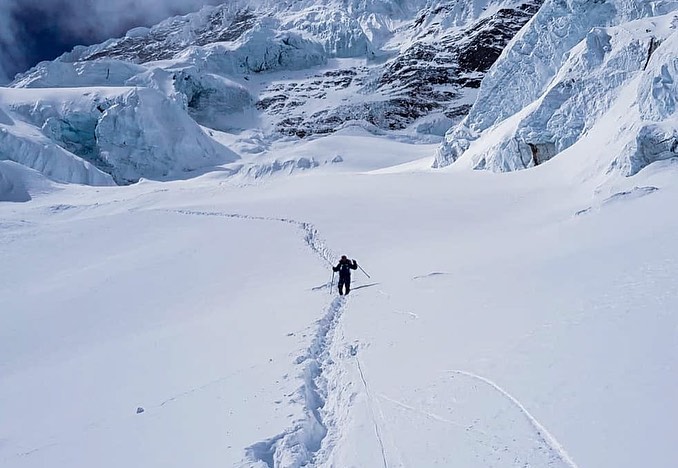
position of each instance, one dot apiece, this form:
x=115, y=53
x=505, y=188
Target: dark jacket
x=344, y=267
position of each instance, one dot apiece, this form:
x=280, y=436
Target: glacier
x=126, y=132
x=501, y=325
x=558, y=80
x=272, y=70
x=25, y=144
x=171, y=203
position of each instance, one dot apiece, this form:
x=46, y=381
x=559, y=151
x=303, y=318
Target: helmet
x=343, y=257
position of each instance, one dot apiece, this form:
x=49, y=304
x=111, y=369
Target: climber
x=344, y=268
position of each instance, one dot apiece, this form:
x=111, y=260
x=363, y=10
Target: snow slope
x=525, y=318
x=510, y=319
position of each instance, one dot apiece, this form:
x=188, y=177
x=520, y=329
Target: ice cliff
x=81, y=135
x=577, y=69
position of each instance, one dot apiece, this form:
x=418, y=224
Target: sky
x=35, y=30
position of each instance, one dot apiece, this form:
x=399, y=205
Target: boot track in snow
x=299, y=444
x=311, y=235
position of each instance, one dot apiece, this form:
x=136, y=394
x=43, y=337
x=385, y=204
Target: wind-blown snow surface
x=510, y=319
x=578, y=68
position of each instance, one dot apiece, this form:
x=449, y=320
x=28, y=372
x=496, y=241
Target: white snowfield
x=520, y=319
x=577, y=69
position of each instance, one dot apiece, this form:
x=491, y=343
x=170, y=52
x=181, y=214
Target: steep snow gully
x=326, y=391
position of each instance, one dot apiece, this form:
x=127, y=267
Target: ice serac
x=557, y=80
x=59, y=74
x=655, y=135
x=429, y=59
x=144, y=134
x=265, y=70
x=73, y=134
x=18, y=182
x=211, y=99
x=25, y=144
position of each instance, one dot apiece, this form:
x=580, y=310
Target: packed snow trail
x=311, y=235
x=298, y=445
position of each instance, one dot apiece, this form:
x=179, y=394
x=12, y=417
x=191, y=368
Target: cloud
x=34, y=30
x=4, y=76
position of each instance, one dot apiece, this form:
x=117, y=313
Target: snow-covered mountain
x=265, y=71
x=499, y=319
x=510, y=319
x=592, y=77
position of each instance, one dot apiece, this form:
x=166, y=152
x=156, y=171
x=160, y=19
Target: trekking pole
x=361, y=269
x=331, y=282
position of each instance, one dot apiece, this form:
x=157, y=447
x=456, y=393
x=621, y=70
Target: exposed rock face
x=438, y=73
